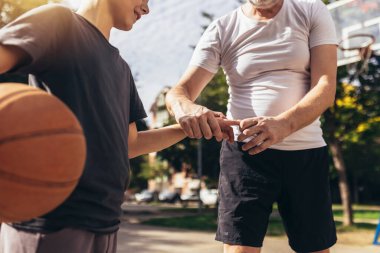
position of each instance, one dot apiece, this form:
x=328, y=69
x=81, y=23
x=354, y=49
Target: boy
x=69, y=54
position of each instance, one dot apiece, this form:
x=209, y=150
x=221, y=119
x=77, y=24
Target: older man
x=279, y=57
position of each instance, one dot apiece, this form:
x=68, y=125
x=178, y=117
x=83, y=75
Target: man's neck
x=262, y=14
x=97, y=13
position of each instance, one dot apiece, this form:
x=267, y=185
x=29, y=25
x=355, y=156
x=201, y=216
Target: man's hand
x=197, y=121
x=226, y=127
x=206, y=123
x=263, y=132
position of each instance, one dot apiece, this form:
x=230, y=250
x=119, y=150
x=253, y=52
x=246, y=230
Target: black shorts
x=297, y=180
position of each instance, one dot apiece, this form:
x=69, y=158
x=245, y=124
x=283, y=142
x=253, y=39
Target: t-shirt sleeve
x=137, y=110
x=207, y=51
x=322, y=27
x=39, y=33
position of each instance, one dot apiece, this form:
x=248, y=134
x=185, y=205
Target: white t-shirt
x=267, y=63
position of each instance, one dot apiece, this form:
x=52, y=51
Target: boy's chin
x=125, y=27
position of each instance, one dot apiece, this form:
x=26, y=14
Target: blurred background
x=172, y=199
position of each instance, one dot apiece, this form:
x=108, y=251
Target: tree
x=11, y=9
x=353, y=121
x=351, y=128
x=214, y=97
x=159, y=170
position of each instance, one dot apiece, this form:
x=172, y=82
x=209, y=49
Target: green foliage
x=354, y=122
x=141, y=168
x=136, y=167
x=184, y=151
x=205, y=222
x=355, y=116
x=361, y=214
x=159, y=169
x=215, y=95
x=208, y=222
x=137, y=164
x=11, y=9
x=357, y=227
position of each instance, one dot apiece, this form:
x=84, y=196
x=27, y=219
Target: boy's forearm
x=156, y=139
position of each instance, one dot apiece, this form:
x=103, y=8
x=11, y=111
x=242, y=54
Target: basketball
x=42, y=152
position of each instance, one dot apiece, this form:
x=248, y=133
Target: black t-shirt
x=86, y=72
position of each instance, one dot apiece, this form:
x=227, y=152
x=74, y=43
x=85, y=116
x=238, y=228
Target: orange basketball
x=42, y=152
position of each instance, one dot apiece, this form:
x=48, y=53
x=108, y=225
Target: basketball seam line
x=17, y=93
x=37, y=134
x=34, y=182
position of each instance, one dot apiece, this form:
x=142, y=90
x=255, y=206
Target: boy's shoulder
x=56, y=12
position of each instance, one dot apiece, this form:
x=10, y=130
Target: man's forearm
x=312, y=106
x=155, y=140
x=197, y=121
x=180, y=99
x=177, y=101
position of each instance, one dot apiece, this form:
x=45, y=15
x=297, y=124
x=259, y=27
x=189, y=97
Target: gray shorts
x=63, y=241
